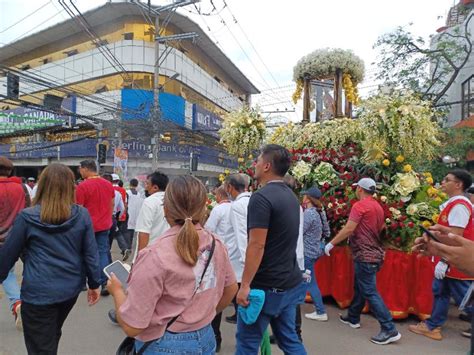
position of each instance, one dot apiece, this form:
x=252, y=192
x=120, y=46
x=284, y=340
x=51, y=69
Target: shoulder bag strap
x=213, y=247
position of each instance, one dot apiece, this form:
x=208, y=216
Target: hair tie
x=189, y=219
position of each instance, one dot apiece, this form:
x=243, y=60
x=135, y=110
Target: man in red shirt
x=366, y=222
x=97, y=195
x=12, y=201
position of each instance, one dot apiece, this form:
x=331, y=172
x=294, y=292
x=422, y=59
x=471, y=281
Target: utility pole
x=156, y=112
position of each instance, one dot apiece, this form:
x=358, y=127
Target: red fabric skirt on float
x=404, y=281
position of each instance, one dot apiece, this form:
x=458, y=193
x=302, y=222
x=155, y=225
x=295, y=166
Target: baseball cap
x=115, y=177
x=31, y=179
x=313, y=192
x=367, y=184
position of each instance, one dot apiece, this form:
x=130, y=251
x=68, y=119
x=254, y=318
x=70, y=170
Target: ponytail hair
x=185, y=205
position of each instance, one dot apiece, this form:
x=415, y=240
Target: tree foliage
x=430, y=69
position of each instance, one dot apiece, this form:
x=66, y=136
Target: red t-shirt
x=12, y=201
x=365, y=243
x=96, y=194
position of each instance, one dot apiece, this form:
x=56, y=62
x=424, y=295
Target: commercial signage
x=23, y=118
x=206, y=121
x=135, y=149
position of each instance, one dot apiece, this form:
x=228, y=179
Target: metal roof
x=113, y=11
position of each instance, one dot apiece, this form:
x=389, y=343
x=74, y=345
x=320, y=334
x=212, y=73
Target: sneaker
x=315, y=316
x=126, y=254
x=384, y=337
x=465, y=317
x=113, y=317
x=422, y=328
x=466, y=333
x=16, y=310
x=231, y=319
x=345, y=320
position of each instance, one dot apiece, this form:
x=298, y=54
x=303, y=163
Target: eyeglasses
x=449, y=180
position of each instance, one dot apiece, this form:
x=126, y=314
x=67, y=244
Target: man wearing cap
x=31, y=185
x=366, y=222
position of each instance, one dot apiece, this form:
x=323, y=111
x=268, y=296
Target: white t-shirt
x=151, y=218
x=459, y=215
x=300, y=243
x=134, y=204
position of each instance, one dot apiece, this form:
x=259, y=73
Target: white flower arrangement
x=325, y=173
x=243, y=131
x=301, y=170
x=322, y=64
x=399, y=123
x=405, y=184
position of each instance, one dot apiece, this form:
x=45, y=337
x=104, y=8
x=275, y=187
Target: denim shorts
x=198, y=342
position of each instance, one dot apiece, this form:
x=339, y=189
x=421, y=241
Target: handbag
x=127, y=346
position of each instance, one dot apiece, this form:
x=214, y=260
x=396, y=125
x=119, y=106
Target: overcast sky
x=265, y=38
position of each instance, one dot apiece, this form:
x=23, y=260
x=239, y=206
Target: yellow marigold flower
x=240, y=160
x=426, y=224
x=250, y=156
x=407, y=168
x=400, y=159
x=386, y=162
x=427, y=174
x=221, y=177
x=443, y=195
x=227, y=171
x=438, y=199
x=435, y=218
x=429, y=180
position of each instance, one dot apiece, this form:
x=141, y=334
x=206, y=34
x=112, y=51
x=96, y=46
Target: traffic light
x=13, y=86
x=102, y=153
x=194, y=163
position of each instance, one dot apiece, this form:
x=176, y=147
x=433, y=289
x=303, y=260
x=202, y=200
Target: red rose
x=326, y=185
x=394, y=226
x=411, y=224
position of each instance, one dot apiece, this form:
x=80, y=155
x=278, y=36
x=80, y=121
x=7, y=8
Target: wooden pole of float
x=338, y=93
x=306, y=99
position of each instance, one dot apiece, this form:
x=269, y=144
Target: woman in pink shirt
x=165, y=281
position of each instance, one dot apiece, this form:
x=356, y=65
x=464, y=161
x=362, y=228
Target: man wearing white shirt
x=151, y=222
x=135, y=200
x=235, y=186
x=219, y=224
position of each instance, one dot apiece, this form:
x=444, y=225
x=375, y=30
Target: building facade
x=109, y=77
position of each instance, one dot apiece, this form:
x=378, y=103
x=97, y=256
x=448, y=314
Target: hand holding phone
x=119, y=270
x=429, y=234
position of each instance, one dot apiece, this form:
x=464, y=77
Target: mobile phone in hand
x=119, y=270
x=429, y=234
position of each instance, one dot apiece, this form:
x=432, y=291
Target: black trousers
x=42, y=326
x=216, y=326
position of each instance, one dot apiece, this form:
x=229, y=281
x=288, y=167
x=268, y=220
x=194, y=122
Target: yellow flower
x=250, y=156
x=435, y=218
x=400, y=159
x=407, y=168
x=429, y=180
x=249, y=121
x=426, y=224
x=427, y=174
x=240, y=160
x=221, y=177
x=227, y=171
x=438, y=199
x=386, y=162
x=443, y=195
x=432, y=191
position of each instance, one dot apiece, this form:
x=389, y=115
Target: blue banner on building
x=206, y=121
x=136, y=149
x=138, y=105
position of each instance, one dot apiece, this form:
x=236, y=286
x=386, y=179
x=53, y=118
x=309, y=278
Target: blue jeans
x=11, y=287
x=313, y=288
x=443, y=290
x=102, y=239
x=279, y=311
x=365, y=289
x=198, y=342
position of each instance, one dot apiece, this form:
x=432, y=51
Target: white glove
x=327, y=249
x=440, y=270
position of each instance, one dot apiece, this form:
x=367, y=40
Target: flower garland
x=352, y=94
x=243, y=131
x=323, y=63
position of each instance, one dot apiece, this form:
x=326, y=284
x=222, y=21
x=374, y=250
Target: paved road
x=88, y=331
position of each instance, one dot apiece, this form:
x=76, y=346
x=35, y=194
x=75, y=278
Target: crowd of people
x=255, y=250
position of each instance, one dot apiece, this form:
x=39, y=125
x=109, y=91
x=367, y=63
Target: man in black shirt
x=270, y=264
